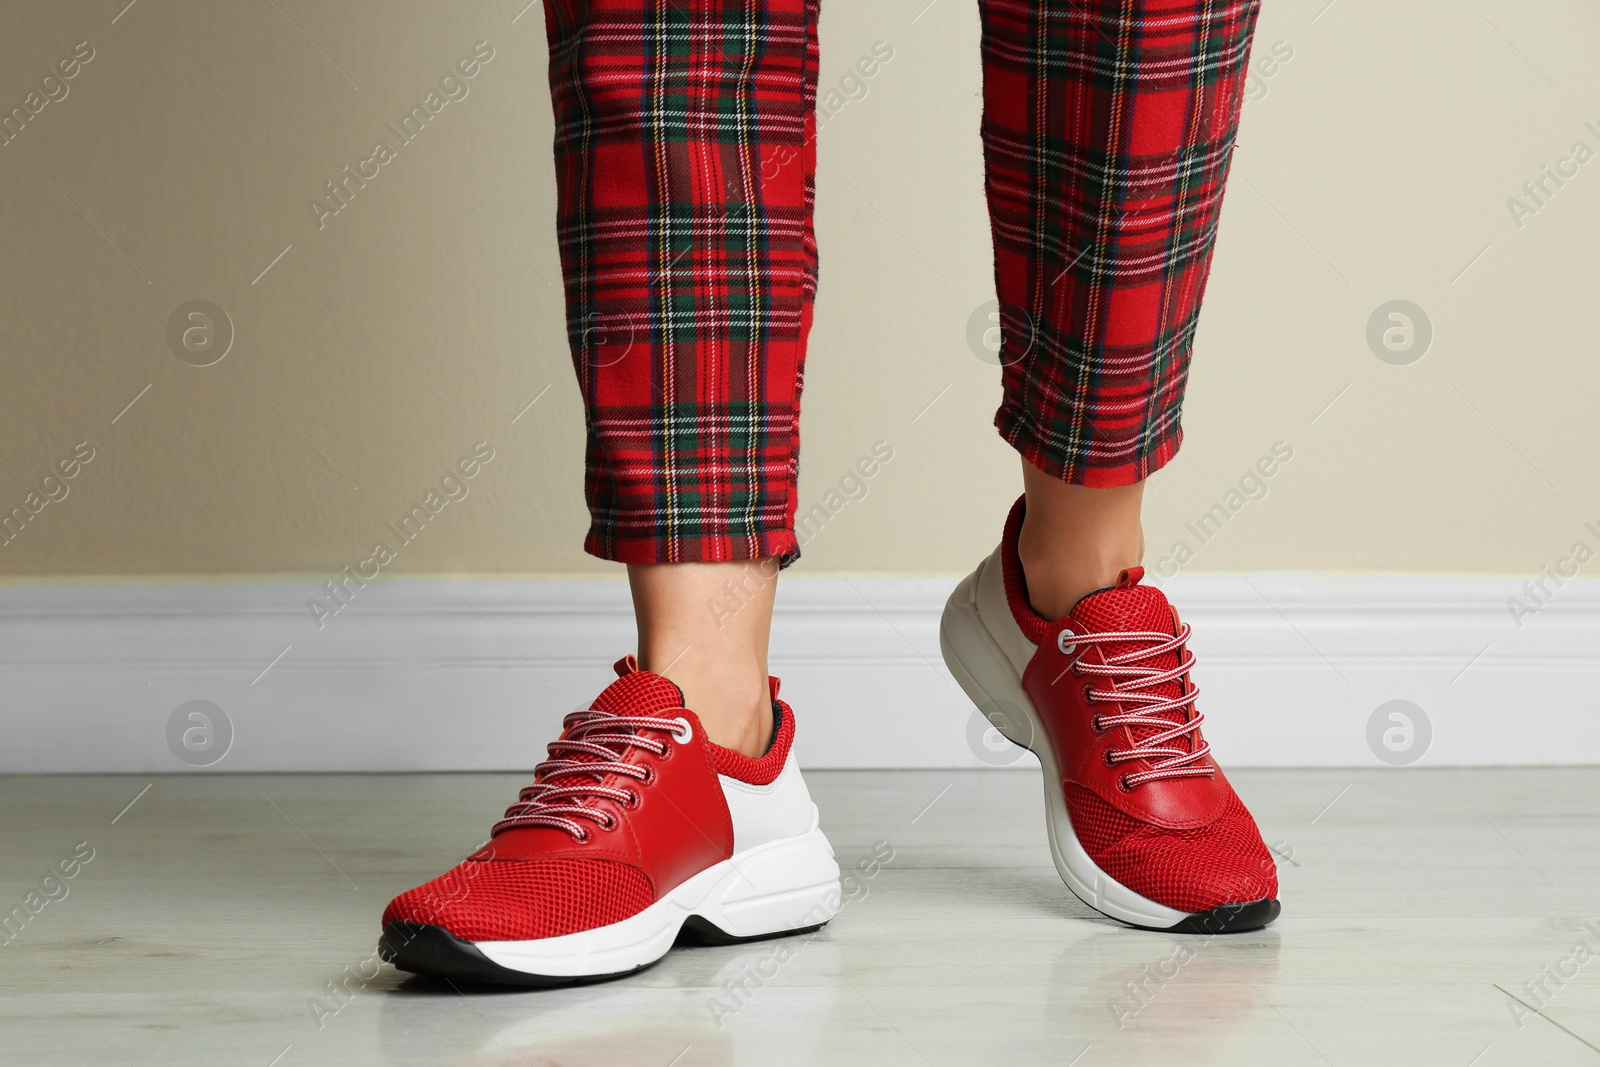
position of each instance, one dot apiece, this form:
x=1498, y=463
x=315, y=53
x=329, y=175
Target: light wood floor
x=216, y=909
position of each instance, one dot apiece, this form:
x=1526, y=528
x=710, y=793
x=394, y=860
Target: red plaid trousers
x=686, y=159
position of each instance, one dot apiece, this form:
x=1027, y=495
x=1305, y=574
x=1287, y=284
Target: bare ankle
x=1075, y=540
x=716, y=654
x=1057, y=581
x=742, y=725
x=734, y=705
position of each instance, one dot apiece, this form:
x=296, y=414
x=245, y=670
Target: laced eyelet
x=1122, y=784
x=583, y=836
x=1088, y=693
x=1107, y=757
x=609, y=824
x=1094, y=724
x=632, y=801
x=649, y=776
x=1063, y=646
x=684, y=733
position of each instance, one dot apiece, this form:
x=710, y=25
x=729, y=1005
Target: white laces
x=1131, y=682
x=602, y=740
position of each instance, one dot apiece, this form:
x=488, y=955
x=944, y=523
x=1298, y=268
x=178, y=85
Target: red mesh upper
x=638, y=692
x=1195, y=870
x=1223, y=862
x=520, y=900
x=635, y=693
x=1133, y=607
x=1129, y=606
x=527, y=899
x=524, y=899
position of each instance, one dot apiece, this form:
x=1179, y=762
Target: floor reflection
x=764, y=1003
x=1164, y=998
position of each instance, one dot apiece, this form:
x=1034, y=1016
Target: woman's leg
x=705, y=626
x=685, y=164
x=1108, y=130
x=1108, y=127
x=1076, y=540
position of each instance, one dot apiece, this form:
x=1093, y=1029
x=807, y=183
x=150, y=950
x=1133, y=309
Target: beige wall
x=379, y=348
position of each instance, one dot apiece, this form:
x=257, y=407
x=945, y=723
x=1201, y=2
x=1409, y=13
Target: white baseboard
x=424, y=675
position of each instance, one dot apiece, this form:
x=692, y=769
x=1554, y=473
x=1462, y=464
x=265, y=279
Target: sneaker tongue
x=639, y=693
x=1125, y=606
x=1129, y=606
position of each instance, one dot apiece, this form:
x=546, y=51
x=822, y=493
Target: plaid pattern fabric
x=1108, y=130
x=685, y=163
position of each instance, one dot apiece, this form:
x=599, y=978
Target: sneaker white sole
x=991, y=678
x=782, y=887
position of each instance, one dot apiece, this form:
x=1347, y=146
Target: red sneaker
x=636, y=827
x=1143, y=825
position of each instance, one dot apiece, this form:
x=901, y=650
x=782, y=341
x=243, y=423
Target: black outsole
x=425, y=949
x=422, y=948
x=704, y=932
x=1227, y=919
